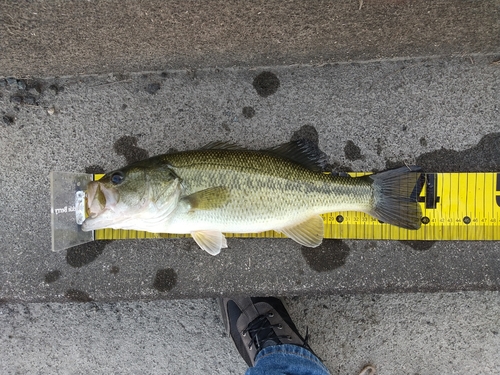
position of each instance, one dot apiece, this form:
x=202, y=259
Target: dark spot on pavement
x=81, y=255
x=52, y=276
x=164, y=75
x=16, y=99
x=379, y=146
x=127, y=146
x=153, y=88
x=77, y=295
x=37, y=85
x=266, y=84
x=308, y=132
x=419, y=245
x=339, y=169
x=94, y=169
x=165, y=280
x=352, y=152
x=225, y=126
x=329, y=255
x=484, y=157
x=8, y=120
x=248, y=112
x=389, y=164
x=423, y=142
x=56, y=89
x=21, y=84
x=114, y=270
x=30, y=100
x=124, y=106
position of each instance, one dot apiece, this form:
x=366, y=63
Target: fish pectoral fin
x=209, y=240
x=208, y=199
x=307, y=233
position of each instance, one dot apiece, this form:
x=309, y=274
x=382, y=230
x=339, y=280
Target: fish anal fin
x=208, y=199
x=210, y=241
x=308, y=233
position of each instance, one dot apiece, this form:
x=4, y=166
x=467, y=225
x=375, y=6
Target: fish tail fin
x=395, y=197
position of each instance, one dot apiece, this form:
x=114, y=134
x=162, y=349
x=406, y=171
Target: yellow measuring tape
x=455, y=206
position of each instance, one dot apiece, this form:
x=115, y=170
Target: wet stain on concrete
x=27, y=91
x=331, y=254
x=114, y=270
x=484, y=157
x=248, y=112
x=77, y=295
x=165, y=280
x=38, y=86
x=389, y=164
x=82, y=255
x=266, y=84
x=352, y=152
x=419, y=245
x=127, y=146
x=153, y=88
x=56, y=89
x=52, y=276
x=308, y=132
x=379, y=146
x=8, y=120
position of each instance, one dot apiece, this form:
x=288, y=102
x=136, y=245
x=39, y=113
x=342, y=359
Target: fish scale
x=264, y=190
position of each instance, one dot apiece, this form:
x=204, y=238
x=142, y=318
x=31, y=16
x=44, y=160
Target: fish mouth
x=101, y=201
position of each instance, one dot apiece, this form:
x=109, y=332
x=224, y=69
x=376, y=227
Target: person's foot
x=255, y=323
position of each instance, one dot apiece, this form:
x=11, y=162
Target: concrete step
x=441, y=113
x=432, y=333
x=68, y=38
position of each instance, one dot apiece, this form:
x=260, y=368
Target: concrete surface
x=439, y=113
x=425, y=334
x=55, y=38
x=91, y=86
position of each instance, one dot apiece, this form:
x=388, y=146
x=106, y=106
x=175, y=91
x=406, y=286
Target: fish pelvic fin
x=208, y=199
x=308, y=233
x=210, y=241
x=394, y=197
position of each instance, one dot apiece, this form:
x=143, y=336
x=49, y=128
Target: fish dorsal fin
x=210, y=241
x=303, y=152
x=208, y=199
x=222, y=145
x=307, y=233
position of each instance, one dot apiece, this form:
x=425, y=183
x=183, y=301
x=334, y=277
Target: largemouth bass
x=224, y=188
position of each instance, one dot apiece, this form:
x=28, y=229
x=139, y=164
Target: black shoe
x=255, y=323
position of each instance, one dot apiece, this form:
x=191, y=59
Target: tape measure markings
x=455, y=206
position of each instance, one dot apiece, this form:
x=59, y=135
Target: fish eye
x=117, y=178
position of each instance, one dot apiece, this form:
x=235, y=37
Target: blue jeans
x=287, y=360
